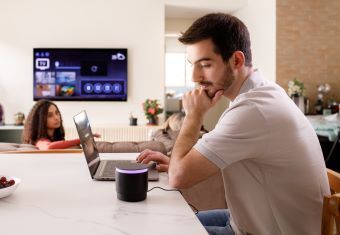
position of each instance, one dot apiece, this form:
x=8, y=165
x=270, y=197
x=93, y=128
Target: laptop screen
x=87, y=141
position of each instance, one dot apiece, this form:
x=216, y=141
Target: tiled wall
x=308, y=45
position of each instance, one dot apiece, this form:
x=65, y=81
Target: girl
x=44, y=128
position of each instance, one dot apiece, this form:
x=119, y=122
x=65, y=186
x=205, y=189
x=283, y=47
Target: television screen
x=80, y=74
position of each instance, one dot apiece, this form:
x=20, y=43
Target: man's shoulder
x=268, y=94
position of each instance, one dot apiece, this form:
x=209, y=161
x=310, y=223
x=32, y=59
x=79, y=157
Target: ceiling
x=186, y=9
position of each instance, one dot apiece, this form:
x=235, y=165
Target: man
x=269, y=155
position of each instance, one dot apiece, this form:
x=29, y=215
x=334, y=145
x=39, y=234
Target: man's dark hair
x=228, y=33
x=36, y=124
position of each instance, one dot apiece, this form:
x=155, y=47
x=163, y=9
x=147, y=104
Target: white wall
x=136, y=25
x=177, y=26
x=173, y=28
x=260, y=18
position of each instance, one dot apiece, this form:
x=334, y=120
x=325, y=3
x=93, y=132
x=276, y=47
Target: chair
x=331, y=206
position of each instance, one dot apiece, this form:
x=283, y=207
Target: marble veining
x=56, y=196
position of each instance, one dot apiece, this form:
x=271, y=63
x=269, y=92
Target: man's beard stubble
x=229, y=79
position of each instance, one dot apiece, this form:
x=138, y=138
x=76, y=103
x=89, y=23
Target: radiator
x=114, y=134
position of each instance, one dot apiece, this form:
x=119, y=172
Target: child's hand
x=97, y=135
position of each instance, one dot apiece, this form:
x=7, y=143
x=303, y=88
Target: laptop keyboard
x=110, y=167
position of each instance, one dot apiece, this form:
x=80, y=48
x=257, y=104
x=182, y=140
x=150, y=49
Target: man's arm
x=187, y=166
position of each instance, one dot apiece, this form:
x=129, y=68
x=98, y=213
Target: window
x=177, y=74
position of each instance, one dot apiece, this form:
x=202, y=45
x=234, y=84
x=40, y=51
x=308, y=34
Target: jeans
x=216, y=222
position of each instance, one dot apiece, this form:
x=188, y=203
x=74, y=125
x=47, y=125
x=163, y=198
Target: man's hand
x=148, y=155
x=197, y=102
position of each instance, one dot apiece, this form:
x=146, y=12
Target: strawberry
x=3, y=179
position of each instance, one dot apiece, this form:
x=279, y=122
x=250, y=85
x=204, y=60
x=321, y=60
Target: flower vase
x=300, y=102
x=153, y=121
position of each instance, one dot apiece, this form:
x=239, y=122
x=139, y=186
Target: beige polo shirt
x=271, y=161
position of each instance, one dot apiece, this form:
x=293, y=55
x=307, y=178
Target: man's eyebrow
x=200, y=60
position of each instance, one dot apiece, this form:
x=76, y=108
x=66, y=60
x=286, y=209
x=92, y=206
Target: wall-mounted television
x=80, y=74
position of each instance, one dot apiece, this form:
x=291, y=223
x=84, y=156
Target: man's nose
x=197, y=75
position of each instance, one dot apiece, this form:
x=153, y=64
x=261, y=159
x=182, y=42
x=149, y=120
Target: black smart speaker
x=132, y=182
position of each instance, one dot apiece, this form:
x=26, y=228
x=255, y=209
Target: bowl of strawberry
x=8, y=185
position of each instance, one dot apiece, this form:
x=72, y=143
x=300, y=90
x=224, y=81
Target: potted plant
x=296, y=91
x=151, y=110
x=295, y=88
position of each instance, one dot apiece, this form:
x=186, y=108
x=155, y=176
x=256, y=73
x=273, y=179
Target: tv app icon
x=117, y=88
x=88, y=88
x=118, y=56
x=42, y=63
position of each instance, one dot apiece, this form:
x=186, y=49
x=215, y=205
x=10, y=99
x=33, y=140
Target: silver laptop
x=104, y=169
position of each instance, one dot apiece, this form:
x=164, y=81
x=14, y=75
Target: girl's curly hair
x=36, y=124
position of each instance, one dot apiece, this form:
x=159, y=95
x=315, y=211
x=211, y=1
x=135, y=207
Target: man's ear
x=237, y=60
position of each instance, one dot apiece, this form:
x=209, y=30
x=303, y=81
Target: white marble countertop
x=58, y=196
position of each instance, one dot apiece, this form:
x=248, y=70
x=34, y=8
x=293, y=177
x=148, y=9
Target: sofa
x=130, y=147
x=7, y=147
x=103, y=147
